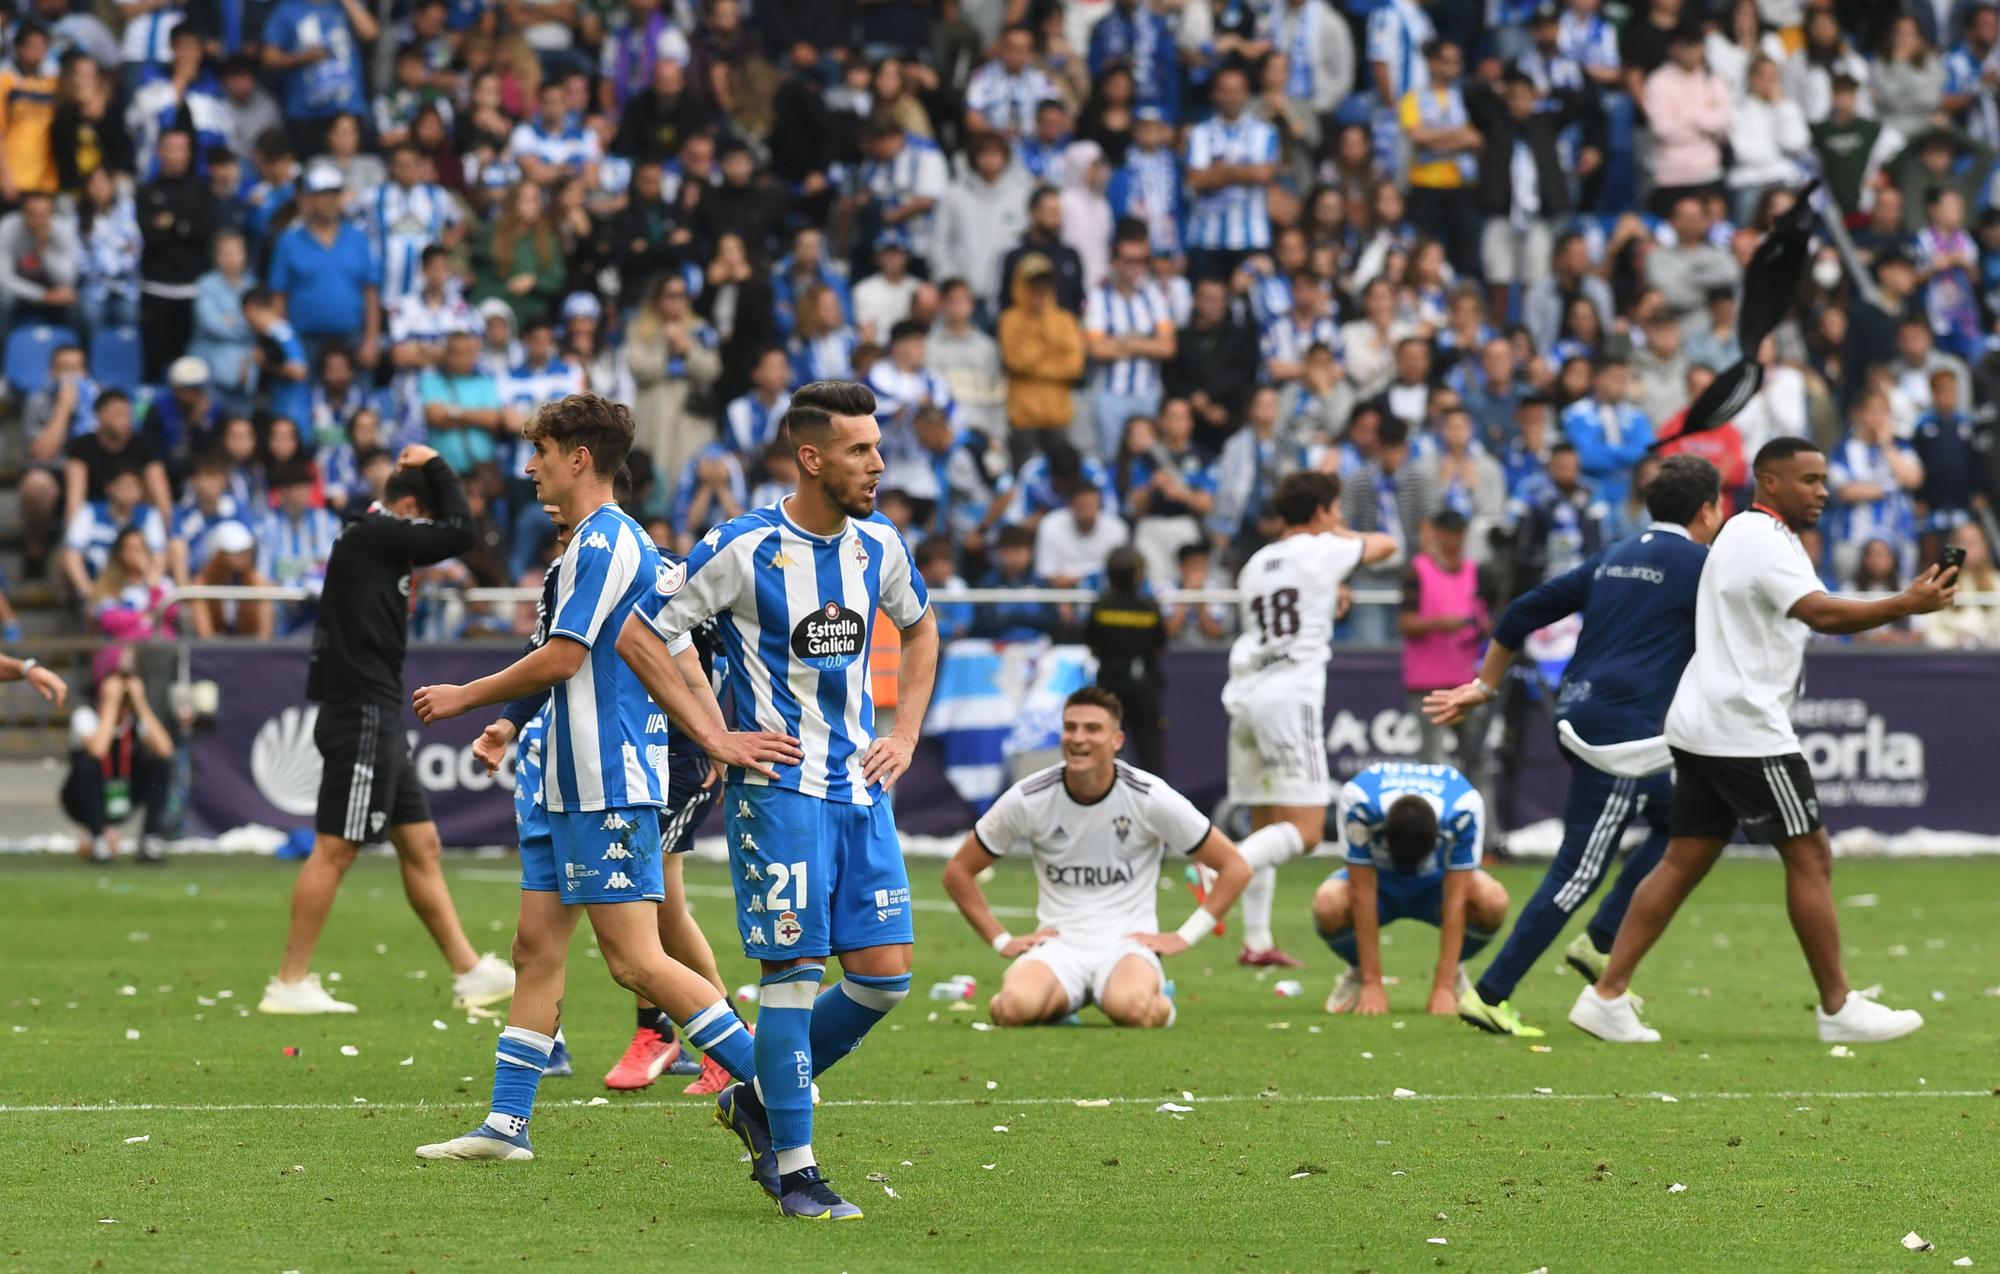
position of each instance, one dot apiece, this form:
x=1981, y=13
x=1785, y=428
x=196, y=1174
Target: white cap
x=187, y=372
x=321, y=178
x=230, y=537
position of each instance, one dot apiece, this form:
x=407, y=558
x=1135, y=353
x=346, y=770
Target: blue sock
x=1474, y=942
x=1342, y=945
x=783, y=1051
x=718, y=1032
x=517, y=1073
x=848, y=1010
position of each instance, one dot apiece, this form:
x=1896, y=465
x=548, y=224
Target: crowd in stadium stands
x=1112, y=267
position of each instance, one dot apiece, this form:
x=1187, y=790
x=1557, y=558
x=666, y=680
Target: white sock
x=1258, y=896
x=508, y=1125
x=1271, y=846
x=794, y=1160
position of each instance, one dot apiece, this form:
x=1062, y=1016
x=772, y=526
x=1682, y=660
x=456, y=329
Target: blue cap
x=893, y=237
x=1149, y=115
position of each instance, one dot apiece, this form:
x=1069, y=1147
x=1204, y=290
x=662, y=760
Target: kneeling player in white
x=1277, y=689
x=1413, y=835
x=1097, y=830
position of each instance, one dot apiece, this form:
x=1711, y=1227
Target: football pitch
x=153, y=1121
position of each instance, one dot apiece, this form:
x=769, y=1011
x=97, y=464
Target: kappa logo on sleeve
x=713, y=539
x=595, y=540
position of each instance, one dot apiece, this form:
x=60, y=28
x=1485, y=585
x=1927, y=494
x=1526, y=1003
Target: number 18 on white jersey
x=1291, y=588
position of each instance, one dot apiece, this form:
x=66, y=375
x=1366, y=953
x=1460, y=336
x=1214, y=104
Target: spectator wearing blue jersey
x=1610, y=434
x=937, y=562
x=182, y=94
x=222, y=340
x=1129, y=333
x=1872, y=478
x=1637, y=603
x=1040, y=153
x=1318, y=47
x=295, y=539
x=325, y=273
x=803, y=268
x=1412, y=837
x=899, y=183
x=1138, y=37
x=1014, y=568
x=314, y=46
x=1397, y=32
x=554, y=144
x=710, y=491
x=205, y=505
x=1953, y=448
x=97, y=524
x=1232, y=158
x=1002, y=95
x=406, y=216
x=1170, y=488
x=1147, y=185
x=752, y=423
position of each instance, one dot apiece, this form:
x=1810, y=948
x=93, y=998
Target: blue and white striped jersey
x=917, y=171
x=748, y=426
x=574, y=148
x=192, y=525
x=796, y=613
x=95, y=528
x=1008, y=102
x=1233, y=217
x=607, y=744
x=827, y=357
x=294, y=551
x=1461, y=814
x=1397, y=33
x=1287, y=339
x=1140, y=312
x=1148, y=187
x=1890, y=516
x=402, y=222
x=529, y=388
x=1590, y=39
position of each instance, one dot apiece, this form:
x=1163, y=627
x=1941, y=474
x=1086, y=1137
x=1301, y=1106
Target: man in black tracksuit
x=178, y=217
x=368, y=783
x=1127, y=634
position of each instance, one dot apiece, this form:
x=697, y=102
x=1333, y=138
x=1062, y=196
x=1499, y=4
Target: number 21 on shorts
x=784, y=877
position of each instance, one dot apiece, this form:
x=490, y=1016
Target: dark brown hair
x=1096, y=697
x=586, y=420
x=809, y=420
x=1301, y=495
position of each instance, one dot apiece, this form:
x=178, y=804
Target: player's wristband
x=1490, y=693
x=1196, y=927
x=1000, y=941
x=29, y=665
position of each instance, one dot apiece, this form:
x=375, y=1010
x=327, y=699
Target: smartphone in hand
x=1950, y=559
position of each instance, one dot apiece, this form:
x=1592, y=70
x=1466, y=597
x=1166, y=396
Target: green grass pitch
x=199, y=1145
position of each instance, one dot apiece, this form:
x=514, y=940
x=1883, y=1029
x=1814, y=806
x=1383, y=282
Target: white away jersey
x=1735, y=697
x=797, y=613
x=1291, y=588
x=1098, y=864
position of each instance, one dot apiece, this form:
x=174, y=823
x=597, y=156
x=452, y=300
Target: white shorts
x=1084, y=971
x=1515, y=256
x=1277, y=743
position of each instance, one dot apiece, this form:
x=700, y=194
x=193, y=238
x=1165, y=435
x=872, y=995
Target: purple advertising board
x=1895, y=741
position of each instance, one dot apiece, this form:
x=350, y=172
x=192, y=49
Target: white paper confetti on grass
x=1668, y=1097
x=107, y=1220
x=1963, y=1261
x=348, y=1050
x=128, y=990
x=1677, y=1188
x=204, y=1001
x=1279, y=1026
x=1438, y=1242
x=438, y=1024
x=133, y=1141
x=1860, y=900
x=1840, y=1050
x=1171, y=1108
x=982, y=1026
x=598, y=1101
x=999, y=1128
x=408, y=1061
x=224, y=994
x=991, y=1085
x=891, y=1192
x=1917, y=1243
x=1093, y=1101
x=1186, y=1095
x=1545, y=1092
x=989, y=1166
x=131, y=1034
x=1404, y=1092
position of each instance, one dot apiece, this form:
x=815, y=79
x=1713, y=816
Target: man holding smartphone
x=1737, y=760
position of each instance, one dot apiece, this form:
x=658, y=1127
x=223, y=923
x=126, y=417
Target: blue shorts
x=1399, y=896
x=595, y=856
x=538, y=852
x=813, y=877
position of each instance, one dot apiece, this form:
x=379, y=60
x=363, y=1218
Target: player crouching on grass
x=1097, y=830
x=1413, y=835
x=604, y=780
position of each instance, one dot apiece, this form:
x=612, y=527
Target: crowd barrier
x=1897, y=739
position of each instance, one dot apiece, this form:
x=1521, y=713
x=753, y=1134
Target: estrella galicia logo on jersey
x=672, y=575
x=755, y=937
x=1123, y=826
x=830, y=638
x=787, y=931
x=595, y=540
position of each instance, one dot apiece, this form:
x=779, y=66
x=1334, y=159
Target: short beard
x=858, y=505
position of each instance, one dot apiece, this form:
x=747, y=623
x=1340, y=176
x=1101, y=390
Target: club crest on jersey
x=754, y=938
x=860, y=552
x=672, y=575
x=595, y=540
x=1123, y=826
x=787, y=931
x=829, y=638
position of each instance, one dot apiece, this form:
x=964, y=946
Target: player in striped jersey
x=1096, y=831
x=1130, y=334
x=796, y=588
x=603, y=783
x=1231, y=159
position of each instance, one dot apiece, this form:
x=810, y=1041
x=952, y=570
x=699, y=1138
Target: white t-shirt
x=1291, y=588
x=1063, y=550
x=1098, y=864
x=1735, y=698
